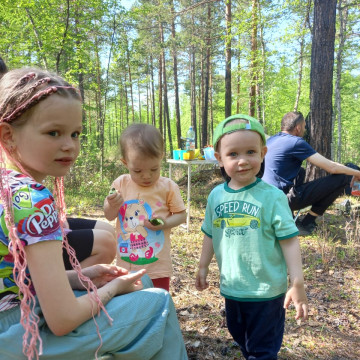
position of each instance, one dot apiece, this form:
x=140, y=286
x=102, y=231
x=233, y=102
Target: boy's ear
x=218, y=158
x=7, y=135
x=263, y=152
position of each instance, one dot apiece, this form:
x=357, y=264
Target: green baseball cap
x=252, y=124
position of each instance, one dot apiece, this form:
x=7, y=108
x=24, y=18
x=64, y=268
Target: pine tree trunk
x=343, y=15
x=193, y=88
x=204, y=135
x=321, y=85
x=228, y=59
x=176, y=82
x=211, y=108
x=147, y=102
x=238, y=81
x=152, y=92
x=139, y=99
x=126, y=101
x=130, y=83
x=84, y=139
x=301, y=55
x=253, y=64
x=166, y=102
x=160, y=97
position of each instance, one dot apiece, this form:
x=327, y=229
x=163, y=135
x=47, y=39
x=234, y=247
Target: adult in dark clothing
x=286, y=152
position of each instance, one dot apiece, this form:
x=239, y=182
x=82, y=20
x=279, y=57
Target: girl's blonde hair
x=20, y=91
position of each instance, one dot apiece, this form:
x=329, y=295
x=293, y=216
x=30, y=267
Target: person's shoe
x=344, y=207
x=299, y=219
x=306, y=230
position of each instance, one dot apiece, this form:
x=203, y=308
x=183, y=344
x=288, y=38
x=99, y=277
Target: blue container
x=176, y=154
x=181, y=156
x=209, y=154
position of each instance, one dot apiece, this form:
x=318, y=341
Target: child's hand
x=297, y=295
x=100, y=274
x=114, y=198
x=155, y=225
x=130, y=282
x=200, y=282
x=171, y=221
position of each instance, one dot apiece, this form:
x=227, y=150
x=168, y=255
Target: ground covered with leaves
x=332, y=274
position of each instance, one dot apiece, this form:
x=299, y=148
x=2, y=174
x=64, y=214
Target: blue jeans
x=258, y=327
x=145, y=327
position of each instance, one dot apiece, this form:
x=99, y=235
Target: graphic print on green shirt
x=237, y=217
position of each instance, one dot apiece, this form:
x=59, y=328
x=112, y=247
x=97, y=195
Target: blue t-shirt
x=246, y=227
x=284, y=158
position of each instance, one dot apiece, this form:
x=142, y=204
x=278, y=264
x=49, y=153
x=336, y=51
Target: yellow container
x=189, y=155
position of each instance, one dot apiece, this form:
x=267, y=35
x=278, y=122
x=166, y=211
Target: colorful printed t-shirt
x=36, y=219
x=139, y=247
x=245, y=226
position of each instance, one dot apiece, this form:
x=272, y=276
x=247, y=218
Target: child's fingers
x=136, y=275
x=287, y=301
x=201, y=284
x=112, y=196
x=301, y=311
x=120, y=271
x=305, y=311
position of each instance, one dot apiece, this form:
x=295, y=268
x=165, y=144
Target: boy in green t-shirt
x=249, y=227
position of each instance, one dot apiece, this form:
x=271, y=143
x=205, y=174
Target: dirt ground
x=332, y=274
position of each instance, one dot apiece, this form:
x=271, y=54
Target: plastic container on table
x=178, y=154
x=209, y=153
x=355, y=190
x=190, y=139
x=189, y=155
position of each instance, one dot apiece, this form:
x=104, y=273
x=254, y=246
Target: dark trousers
x=258, y=327
x=319, y=193
x=81, y=239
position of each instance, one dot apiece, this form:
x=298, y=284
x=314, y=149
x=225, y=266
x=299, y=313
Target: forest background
x=179, y=63
x=176, y=63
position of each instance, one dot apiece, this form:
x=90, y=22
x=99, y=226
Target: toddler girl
x=141, y=196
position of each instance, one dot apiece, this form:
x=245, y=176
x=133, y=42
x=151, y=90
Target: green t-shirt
x=245, y=226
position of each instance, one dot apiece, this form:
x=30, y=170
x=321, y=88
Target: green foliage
x=99, y=45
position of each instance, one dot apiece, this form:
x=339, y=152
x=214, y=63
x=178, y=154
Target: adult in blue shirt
x=286, y=152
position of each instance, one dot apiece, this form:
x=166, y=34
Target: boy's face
x=144, y=171
x=241, y=154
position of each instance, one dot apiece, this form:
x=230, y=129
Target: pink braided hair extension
x=31, y=89
x=87, y=283
x=25, y=79
x=29, y=103
x=29, y=320
x=17, y=110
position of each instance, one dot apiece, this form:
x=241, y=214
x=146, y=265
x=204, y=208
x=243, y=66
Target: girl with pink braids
x=46, y=311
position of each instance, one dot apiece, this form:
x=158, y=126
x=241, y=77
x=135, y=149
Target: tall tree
x=321, y=81
x=343, y=15
x=301, y=54
x=253, y=63
x=176, y=81
x=204, y=135
x=228, y=59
